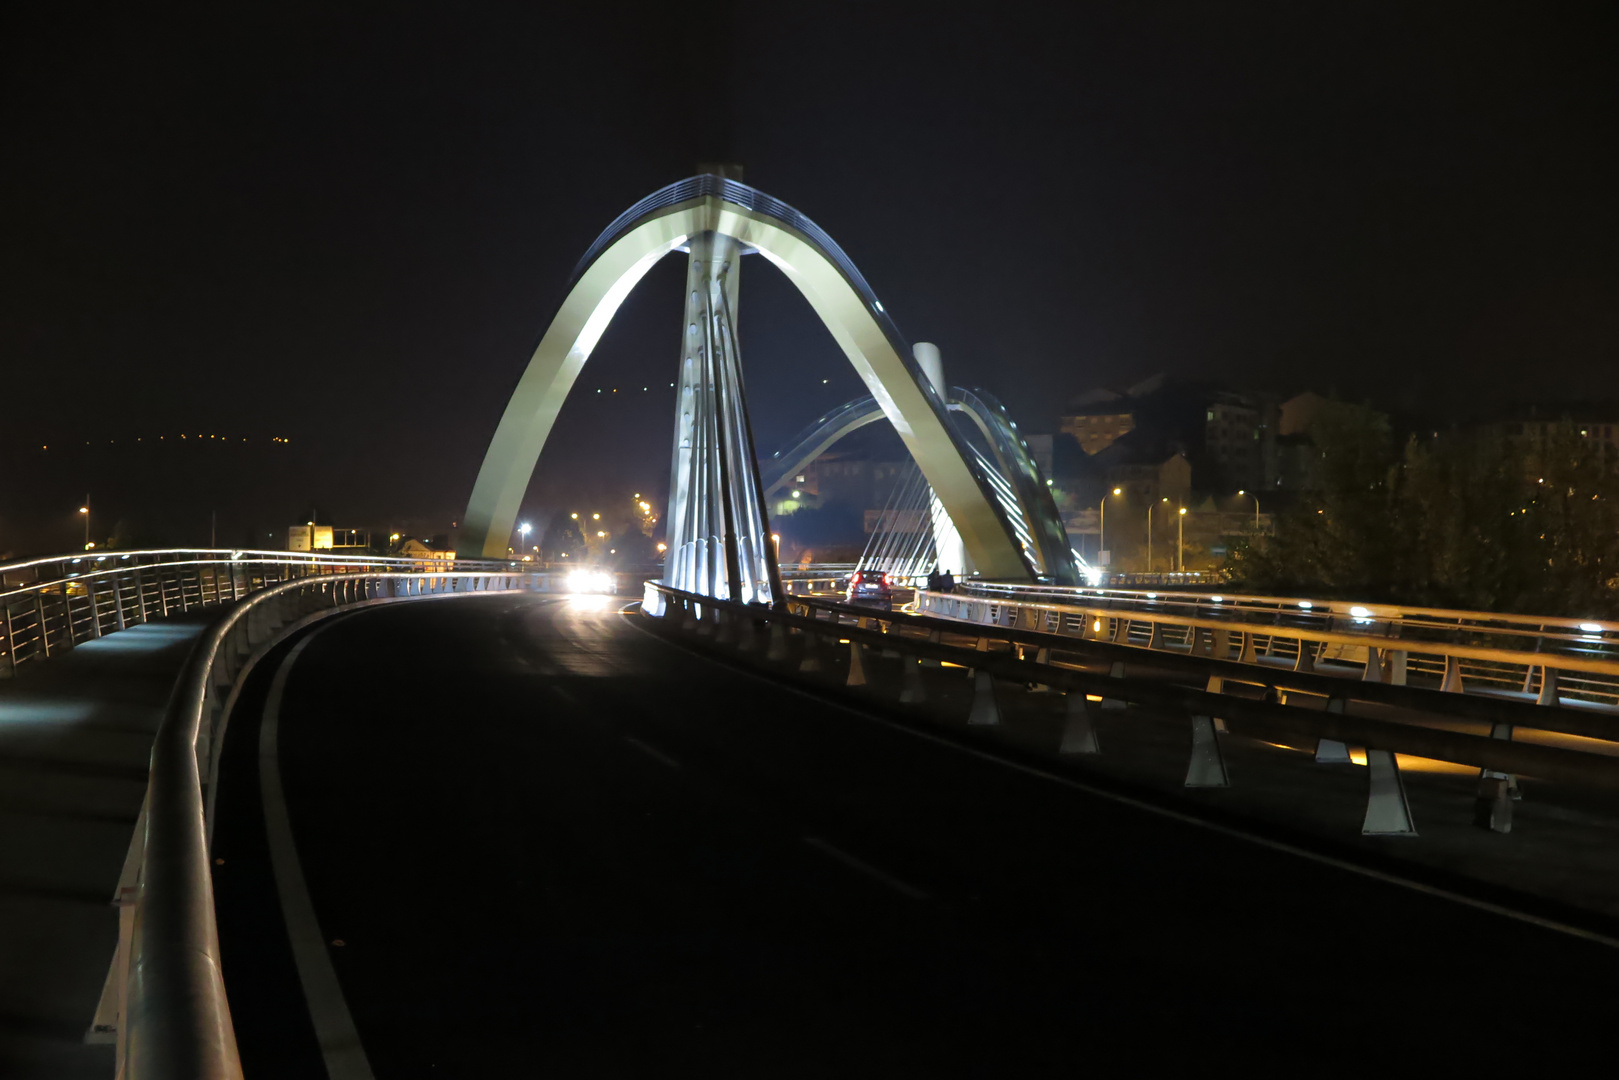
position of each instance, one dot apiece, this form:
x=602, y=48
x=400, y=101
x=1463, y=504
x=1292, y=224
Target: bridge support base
x=1078, y=733
x=1493, y=808
x=857, y=665
x=985, y=712
x=811, y=661
x=1388, y=813
x=913, y=692
x=1207, y=767
x=1114, y=671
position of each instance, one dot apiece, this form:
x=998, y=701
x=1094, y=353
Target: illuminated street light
x=595, y=517
x=600, y=533
x=662, y=547
x=574, y=516
x=1150, y=508
x=1101, y=528
x=1256, y=507
x=1180, y=542
x=85, y=510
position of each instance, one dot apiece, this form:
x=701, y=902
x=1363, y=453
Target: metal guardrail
x=1004, y=653
x=164, y=1004
x=1551, y=658
x=48, y=606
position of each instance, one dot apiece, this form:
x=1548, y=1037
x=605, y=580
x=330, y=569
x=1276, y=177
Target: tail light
x=855, y=580
x=885, y=579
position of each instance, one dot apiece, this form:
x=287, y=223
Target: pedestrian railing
x=807, y=637
x=1550, y=659
x=164, y=1004
x=48, y=606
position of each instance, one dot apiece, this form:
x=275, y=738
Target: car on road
x=869, y=587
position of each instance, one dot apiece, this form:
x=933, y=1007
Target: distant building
x=327, y=538
x=1533, y=429
x=413, y=548
x=299, y=538
x=1239, y=441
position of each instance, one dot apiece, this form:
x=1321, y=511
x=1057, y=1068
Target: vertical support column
x=1388, y=813
x=719, y=540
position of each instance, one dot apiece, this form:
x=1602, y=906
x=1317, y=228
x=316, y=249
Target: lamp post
x=522, y=532
x=85, y=510
x=1256, y=507
x=1150, y=508
x=1101, y=528
x=1180, y=542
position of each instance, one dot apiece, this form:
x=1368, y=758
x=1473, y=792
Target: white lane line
x=865, y=868
x=1233, y=832
x=652, y=751
x=334, y=1026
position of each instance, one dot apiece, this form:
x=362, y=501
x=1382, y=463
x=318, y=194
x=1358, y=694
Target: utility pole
x=1180, y=542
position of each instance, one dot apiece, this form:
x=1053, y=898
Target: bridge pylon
x=718, y=535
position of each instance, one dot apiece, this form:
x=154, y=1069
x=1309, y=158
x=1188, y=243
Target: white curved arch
x=860, y=331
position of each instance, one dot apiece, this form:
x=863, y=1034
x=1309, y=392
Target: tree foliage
x=1461, y=520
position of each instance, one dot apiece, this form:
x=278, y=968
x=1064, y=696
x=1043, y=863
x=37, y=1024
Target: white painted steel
x=824, y=277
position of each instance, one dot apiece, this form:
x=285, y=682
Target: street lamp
x=1101, y=528
x=1180, y=542
x=523, y=531
x=1241, y=491
x=85, y=510
x=1150, y=508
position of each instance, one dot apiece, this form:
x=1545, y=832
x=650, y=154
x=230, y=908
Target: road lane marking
x=334, y=1025
x=1230, y=831
x=865, y=868
x=652, y=751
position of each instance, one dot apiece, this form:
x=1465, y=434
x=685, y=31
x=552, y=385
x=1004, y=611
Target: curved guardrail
x=165, y=1004
x=50, y=605
x=1549, y=657
x=1423, y=727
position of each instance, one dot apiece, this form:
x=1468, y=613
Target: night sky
x=348, y=226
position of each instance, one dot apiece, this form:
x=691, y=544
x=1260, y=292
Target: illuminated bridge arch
x=689, y=215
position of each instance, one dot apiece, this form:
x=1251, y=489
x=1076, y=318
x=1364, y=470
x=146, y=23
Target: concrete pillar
x=912, y=691
x=1388, y=813
x=1207, y=765
x=1078, y=733
x=857, y=665
x=984, y=712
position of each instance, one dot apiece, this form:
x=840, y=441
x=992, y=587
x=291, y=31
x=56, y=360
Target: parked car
x=869, y=587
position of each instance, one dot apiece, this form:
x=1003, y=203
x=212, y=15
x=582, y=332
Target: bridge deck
x=75, y=741
x=549, y=842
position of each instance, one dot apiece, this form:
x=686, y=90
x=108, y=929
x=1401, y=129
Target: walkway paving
x=75, y=739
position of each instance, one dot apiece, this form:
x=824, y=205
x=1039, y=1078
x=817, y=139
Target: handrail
x=1305, y=606
x=174, y=1023
x=54, y=604
x=1493, y=753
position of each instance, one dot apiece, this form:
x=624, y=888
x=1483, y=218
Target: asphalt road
x=553, y=844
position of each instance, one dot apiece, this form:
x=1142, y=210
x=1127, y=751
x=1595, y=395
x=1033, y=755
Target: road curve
x=550, y=843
